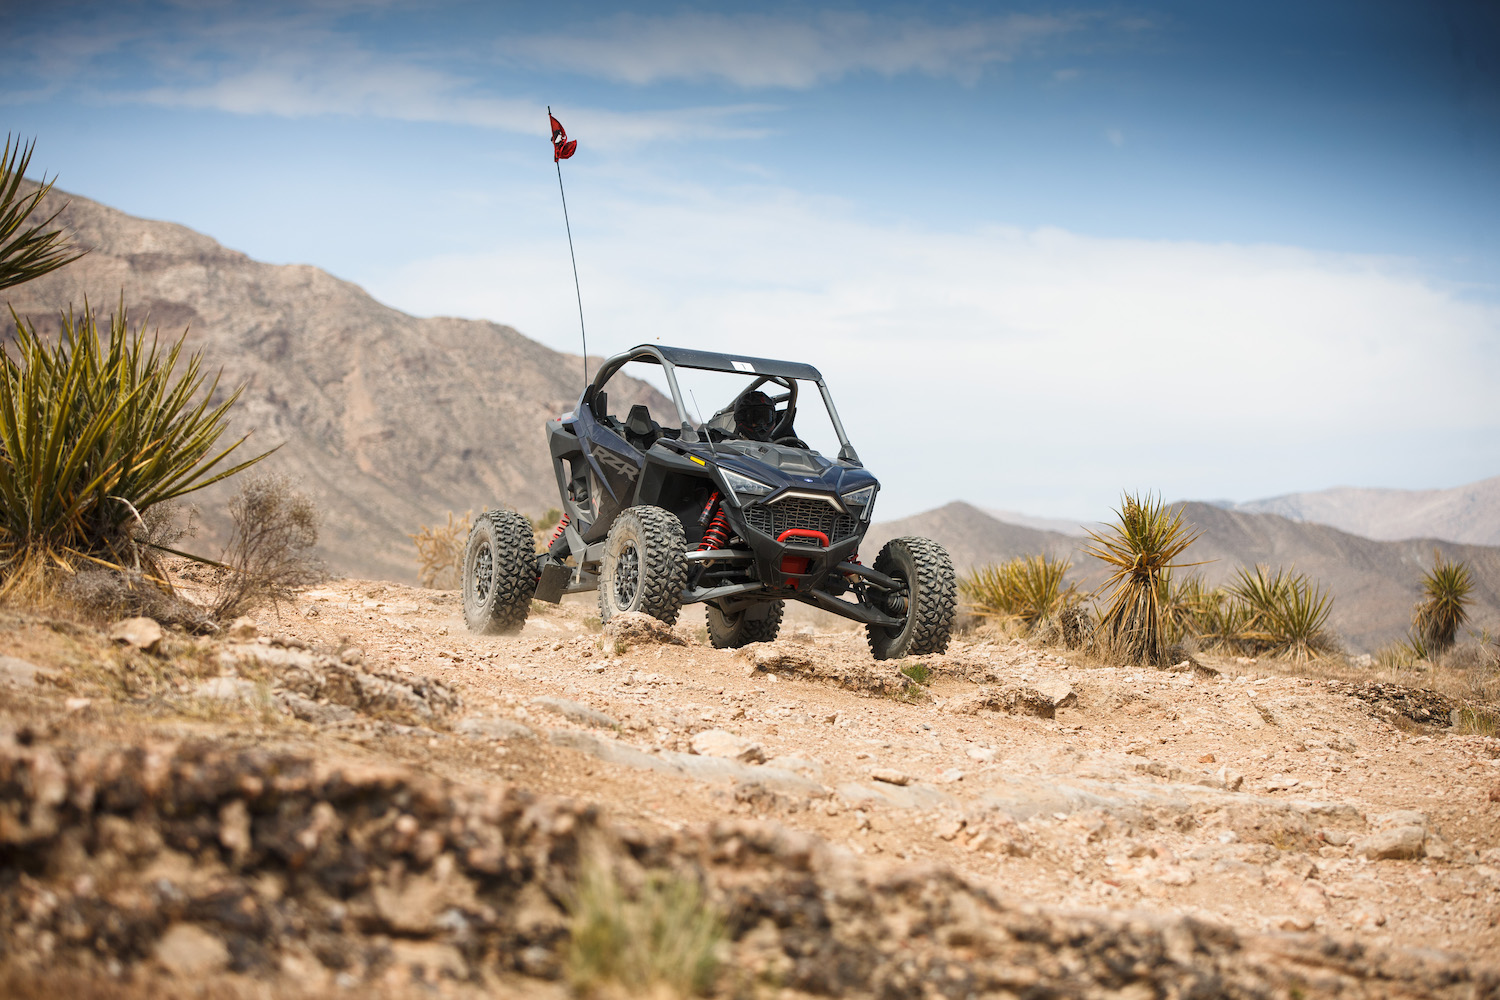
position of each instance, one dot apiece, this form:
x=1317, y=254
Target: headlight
x=859, y=501
x=744, y=485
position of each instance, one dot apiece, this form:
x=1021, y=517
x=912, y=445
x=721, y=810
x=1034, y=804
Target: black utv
x=737, y=511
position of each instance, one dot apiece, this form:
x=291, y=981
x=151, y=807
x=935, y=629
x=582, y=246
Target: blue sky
x=1213, y=250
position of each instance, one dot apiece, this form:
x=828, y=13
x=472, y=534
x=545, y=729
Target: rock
x=1015, y=700
x=243, y=629
x=1338, y=838
x=235, y=689
x=433, y=959
x=982, y=754
x=574, y=712
x=1281, y=782
x=722, y=743
x=311, y=711
x=631, y=628
x=1297, y=922
x=142, y=633
x=353, y=656
x=1059, y=692
x=189, y=951
x=20, y=673
x=487, y=727
x=1401, y=817
x=890, y=776
x=1233, y=780
x=1397, y=842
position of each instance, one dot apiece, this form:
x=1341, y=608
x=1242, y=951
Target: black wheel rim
x=627, y=575
x=484, y=572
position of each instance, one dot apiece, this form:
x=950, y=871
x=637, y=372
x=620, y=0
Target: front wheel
x=644, y=566
x=926, y=599
x=499, y=572
x=737, y=628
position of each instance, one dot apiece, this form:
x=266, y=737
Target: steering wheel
x=792, y=442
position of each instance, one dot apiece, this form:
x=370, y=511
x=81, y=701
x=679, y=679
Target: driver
x=754, y=416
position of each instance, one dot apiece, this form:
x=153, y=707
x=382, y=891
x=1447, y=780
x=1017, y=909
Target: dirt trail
x=1281, y=810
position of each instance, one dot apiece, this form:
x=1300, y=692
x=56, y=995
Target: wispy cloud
x=760, y=50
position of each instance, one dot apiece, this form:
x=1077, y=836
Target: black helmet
x=754, y=416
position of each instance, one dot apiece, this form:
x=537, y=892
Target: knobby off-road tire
x=736, y=629
x=499, y=572
x=644, y=566
x=928, y=604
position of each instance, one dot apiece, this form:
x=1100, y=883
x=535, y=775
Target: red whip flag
x=562, y=146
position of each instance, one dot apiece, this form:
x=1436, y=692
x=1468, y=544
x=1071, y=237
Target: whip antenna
x=562, y=148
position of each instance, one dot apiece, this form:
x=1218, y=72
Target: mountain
x=389, y=421
x=1060, y=525
x=1374, y=583
x=1462, y=514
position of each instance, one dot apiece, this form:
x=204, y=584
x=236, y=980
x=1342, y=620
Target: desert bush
x=270, y=554
x=1142, y=547
x=1026, y=589
x=1447, y=587
x=440, y=551
x=542, y=528
x=663, y=937
x=1284, y=614
x=35, y=250
x=94, y=432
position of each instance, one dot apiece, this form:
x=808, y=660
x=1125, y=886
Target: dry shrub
x=112, y=594
x=440, y=551
x=270, y=555
x=1027, y=589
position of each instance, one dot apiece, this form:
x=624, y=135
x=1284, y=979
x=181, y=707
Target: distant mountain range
x=1374, y=583
x=388, y=420
x=1468, y=513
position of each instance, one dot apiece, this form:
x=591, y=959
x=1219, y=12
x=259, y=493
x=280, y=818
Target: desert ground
x=353, y=795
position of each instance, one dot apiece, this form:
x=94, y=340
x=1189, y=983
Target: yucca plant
x=1286, y=614
x=1185, y=606
x=1142, y=547
x=1025, y=589
x=94, y=434
x=1227, y=625
x=1448, y=587
x=29, y=252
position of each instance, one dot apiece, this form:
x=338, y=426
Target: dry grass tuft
x=1025, y=590
x=440, y=551
x=270, y=555
x=664, y=936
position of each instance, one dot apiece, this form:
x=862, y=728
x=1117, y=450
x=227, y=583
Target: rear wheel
x=734, y=629
x=926, y=600
x=644, y=566
x=499, y=572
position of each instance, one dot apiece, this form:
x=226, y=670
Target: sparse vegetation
x=1448, y=588
x=94, y=433
x=662, y=937
x=1142, y=547
x=440, y=551
x=1287, y=614
x=270, y=554
x=1026, y=589
x=35, y=250
x=542, y=527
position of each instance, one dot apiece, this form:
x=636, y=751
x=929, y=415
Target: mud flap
x=554, y=577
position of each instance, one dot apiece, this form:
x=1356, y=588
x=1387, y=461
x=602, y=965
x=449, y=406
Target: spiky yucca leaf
x=1142, y=547
x=1026, y=589
x=33, y=251
x=1285, y=613
x=1448, y=587
x=93, y=435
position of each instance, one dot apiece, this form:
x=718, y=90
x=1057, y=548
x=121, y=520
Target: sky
x=1042, y=252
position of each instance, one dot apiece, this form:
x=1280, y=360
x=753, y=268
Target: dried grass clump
x=270, y=555
x=663, y=938
x=440, y=551
x=1025, y=590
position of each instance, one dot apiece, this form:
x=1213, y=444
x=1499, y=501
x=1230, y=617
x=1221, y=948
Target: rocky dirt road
x=997, y=820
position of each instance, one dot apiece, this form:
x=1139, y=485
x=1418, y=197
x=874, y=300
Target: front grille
x=800, y=512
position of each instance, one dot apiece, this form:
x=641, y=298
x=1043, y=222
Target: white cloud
x=758, y=50
x=1075, y=365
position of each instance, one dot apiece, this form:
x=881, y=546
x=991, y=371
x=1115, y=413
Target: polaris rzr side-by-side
x=737, y=512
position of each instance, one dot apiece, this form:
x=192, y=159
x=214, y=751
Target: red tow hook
x=798, y=565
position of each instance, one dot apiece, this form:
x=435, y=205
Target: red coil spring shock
x=557, y=532
x=716, y=535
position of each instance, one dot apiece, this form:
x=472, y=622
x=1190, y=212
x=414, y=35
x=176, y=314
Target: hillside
x=1469, y=513
x=1375, y=583
x=388, y=420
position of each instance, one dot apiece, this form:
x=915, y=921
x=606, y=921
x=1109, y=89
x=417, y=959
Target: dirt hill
x=1468, y=513
x=1375, y=583
x=389, y=420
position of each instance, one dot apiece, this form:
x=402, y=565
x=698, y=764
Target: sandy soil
x=1266, y=803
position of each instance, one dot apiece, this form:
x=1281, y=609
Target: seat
x=640, y=429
